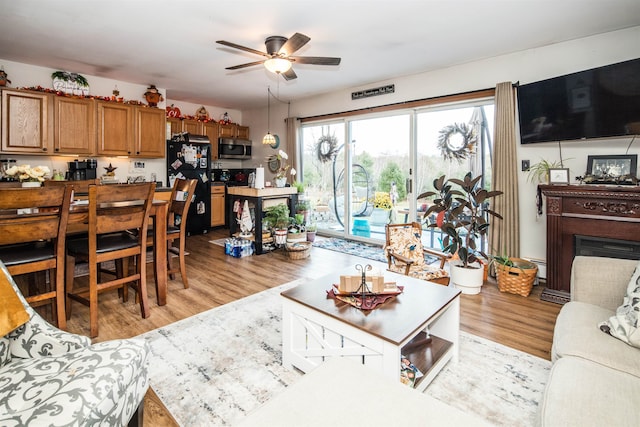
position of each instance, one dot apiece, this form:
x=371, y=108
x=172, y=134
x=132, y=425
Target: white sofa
x=49, y=377
x=595, y=378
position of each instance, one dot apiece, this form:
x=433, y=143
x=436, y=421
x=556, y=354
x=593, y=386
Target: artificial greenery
x=462, y=214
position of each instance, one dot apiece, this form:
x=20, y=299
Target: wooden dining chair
x=178, y=211
x=33, y=226
x=113, y=210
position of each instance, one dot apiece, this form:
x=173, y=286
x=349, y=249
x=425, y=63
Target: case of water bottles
x=238, y=248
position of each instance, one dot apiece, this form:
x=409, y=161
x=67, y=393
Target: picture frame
x=558, y=176
x=612, y=168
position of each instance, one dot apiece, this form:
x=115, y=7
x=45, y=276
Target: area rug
x=215, y=367
x=351, y=247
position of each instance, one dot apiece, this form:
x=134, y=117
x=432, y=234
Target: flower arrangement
x=281, y=172
x=25, y=173
x=382, y=200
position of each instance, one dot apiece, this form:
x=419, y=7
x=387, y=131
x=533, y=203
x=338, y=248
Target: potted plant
x=302, y=208
x=462, y=214
x=312, y=229
x=381, y=209
x=278, y=217
x=539, y=172
x=297, y=232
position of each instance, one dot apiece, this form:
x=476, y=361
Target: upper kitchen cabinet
x=176, y=125
x=74, y=126
x=210, y=129
x=115, y=129
x=242, y=132
x=126, y=130
x=150, y=132
x=232, y=130
x=192, y=126
x=27, y=122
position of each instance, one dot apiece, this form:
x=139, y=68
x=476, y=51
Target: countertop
x=266, y=192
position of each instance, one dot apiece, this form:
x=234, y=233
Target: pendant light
x=272, y=140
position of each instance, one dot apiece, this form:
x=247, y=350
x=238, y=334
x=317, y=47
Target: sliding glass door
x=363, y=172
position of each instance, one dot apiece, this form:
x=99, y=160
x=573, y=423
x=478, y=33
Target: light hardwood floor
x=215, y=279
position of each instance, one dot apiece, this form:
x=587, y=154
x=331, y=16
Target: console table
x=599, y=211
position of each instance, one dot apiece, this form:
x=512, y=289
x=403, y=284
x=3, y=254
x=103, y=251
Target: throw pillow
x=12, y=312
x=624, y=325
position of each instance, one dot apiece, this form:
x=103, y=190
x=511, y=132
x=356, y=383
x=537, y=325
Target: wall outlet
x=138, y=165
x=526, y=164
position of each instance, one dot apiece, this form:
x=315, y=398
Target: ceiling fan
x=279, y=55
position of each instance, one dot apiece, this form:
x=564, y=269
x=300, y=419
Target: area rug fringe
x=215, y=367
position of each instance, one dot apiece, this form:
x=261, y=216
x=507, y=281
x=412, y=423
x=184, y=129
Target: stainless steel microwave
x=232, y=148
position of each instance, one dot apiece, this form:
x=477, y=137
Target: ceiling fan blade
x=249, y=64
x=316, y=60
x=293, y=44
x=289, y=74
x=246, y=49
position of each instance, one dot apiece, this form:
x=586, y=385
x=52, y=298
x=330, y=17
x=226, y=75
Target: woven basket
x=298, y=250
x=517, y=279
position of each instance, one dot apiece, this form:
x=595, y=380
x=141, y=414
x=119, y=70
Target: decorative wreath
x=458, y=149
x=327, y=148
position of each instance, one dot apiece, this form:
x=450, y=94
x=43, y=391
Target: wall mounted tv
x=599, y=103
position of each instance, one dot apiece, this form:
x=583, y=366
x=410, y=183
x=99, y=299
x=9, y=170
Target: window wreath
x=327, y=148
x=457, y=141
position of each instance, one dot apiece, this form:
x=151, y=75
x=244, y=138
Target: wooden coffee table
x=316, y=327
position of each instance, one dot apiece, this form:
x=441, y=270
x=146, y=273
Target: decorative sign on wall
x=382, y=90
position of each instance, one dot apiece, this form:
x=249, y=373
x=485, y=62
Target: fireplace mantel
x=588, y=210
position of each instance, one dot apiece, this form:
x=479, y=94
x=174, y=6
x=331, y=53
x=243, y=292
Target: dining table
x=79, y=216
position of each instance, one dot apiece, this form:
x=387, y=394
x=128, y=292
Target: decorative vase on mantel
x=31, y=184
x=281, y=182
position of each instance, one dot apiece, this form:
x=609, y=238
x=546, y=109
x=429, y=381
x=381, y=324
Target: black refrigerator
x=189, y=157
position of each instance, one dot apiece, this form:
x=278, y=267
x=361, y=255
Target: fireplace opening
x=610, y=248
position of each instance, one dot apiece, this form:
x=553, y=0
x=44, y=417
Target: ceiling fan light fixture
x=277, y=65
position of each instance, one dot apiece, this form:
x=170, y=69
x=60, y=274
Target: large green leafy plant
x=462, y=214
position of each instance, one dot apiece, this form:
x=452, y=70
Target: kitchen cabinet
x=176, y=125
x=27, y=122
x=192, y=126
x=233, y=130
x=150, y=132
x=217, y=205
x=242, y=132
x=115, y=129
x=226, y=130
x=211, y=130
x=74, y=125
x=127, y=130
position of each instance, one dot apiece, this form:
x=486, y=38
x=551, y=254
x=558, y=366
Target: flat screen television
x=598, y=103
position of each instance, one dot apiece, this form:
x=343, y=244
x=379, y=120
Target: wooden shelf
x=425, y=355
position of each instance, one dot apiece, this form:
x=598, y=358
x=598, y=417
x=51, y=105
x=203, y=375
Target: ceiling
x=172, y=43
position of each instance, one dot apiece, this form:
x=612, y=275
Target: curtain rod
x=405, y=104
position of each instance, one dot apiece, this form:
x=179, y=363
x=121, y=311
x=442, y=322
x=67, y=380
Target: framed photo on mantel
x=612, y=169
x=558, y=176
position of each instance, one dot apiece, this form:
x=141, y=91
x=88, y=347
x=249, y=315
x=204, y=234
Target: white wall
x=523, y=67
x=24, y=75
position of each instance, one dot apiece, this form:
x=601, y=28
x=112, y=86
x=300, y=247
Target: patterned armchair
x=406, y=254
x=54, y=378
